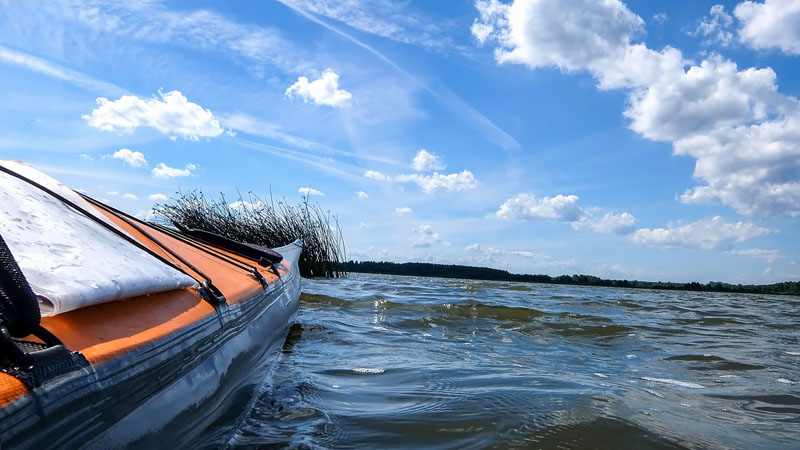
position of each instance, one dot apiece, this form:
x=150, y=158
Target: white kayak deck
x=69, y=260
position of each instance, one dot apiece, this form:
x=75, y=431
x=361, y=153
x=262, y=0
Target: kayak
x=154, y=369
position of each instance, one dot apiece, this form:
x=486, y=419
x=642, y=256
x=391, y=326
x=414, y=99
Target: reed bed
x=271, y=224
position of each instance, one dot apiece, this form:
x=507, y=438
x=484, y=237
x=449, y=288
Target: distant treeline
x=485, y=273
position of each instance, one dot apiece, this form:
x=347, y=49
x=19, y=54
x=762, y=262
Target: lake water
x=404, y=362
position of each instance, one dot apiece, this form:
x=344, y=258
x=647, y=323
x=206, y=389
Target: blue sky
x=648, y=140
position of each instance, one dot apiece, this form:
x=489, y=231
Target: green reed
x=271, y=224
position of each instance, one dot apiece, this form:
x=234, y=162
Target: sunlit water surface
x=405, y=362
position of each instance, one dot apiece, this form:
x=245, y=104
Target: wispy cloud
x=716, y=27
x=324, y=164
x=53, y=70
x=153, y=22
x=257, y=127
x=769, y=255
x=392, y=20
x=96, y=175
x=447, y=98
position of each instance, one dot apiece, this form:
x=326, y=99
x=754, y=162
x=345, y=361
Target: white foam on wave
x=792, y=353
x=601, y=375
x=784, y=381
x=685, y=384
x=651, y=392
x=368, y=370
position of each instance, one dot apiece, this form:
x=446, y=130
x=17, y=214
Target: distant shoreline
x=489, y=274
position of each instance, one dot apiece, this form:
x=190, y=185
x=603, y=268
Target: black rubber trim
x=264, y=255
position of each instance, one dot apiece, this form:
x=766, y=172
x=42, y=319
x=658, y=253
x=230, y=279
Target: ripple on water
x=711, y=362
x=412, y=362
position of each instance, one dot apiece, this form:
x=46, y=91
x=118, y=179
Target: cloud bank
x=741, y=131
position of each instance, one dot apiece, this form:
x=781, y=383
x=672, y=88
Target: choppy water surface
x=404, y=362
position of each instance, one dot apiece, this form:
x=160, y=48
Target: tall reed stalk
x=270, y=224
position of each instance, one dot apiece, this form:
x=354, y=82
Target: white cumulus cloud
x=561, y=208
x=569, y=34
x=426, y=161
x=705, y=97
x=322, y=91
x=164, y=171
x=375, y=175
x=424, y=236
x=172, y=114
x=734, y=122
x=753, y=168
x=771, y=24
x=402, y=210
x=245, y=205
x=609, y=223
x=708, y=234
x=310, y=191
x=132, y=158
x=438, y=182
x=564, y=208
x=431, y=183
x=157, y=197
x=130, y=197
x=362, y=195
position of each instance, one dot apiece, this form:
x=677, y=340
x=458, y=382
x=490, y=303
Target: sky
x=640, y=140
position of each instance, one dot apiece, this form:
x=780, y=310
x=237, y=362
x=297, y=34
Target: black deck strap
x=46, y=364
x=264, y=255
x=19, y=307
x=212, y=294
x=213, y=251
x=185, y=239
